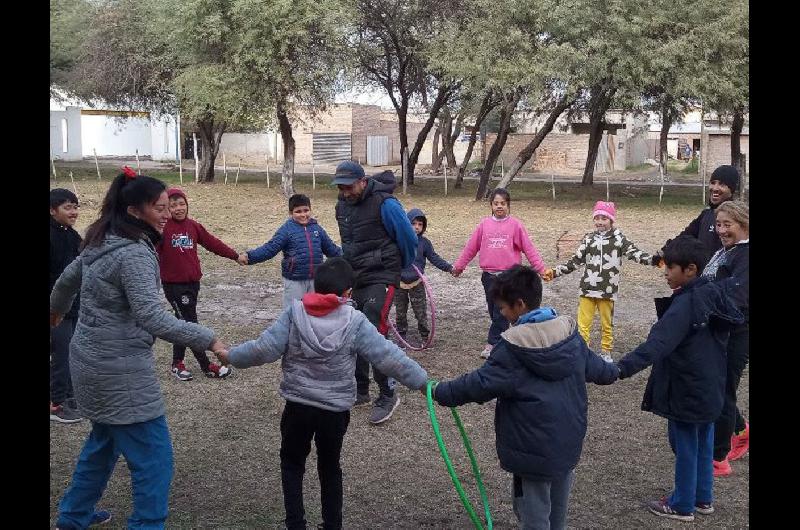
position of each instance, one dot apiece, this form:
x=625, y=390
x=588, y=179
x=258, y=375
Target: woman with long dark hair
x=111, y=353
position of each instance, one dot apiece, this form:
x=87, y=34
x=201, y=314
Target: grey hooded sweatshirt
x=319, y=355
x=111, y=356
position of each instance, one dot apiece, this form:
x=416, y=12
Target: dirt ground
x=226, y=432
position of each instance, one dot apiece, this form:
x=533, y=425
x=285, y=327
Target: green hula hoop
x=475, y=471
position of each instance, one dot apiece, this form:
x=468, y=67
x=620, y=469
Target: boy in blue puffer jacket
x=303, y=242
x=411, y=287
x=686, y=347
x=538, y=373
x=318, y=339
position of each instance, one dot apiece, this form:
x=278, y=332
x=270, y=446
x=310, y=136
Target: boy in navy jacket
x=687, y=383
x=538, y=373
x=303, y=242
x=411, y=287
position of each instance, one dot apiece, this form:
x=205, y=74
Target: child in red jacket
x=180, y=275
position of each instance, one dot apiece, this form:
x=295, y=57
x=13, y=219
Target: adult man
x=378, y=242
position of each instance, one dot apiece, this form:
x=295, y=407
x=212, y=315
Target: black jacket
x=538, y=373
x=704, y=228
x=687, y=350
x=366, y=245
x=737, y=267
x=64, y=247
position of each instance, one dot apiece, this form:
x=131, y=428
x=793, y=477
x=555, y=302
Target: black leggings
x=731, y=419
x=183, y=299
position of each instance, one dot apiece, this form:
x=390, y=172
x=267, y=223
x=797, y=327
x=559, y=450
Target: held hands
x=242, y=259
x=456, y=273
x=55, y=319
x=222, y=356
x=220, y=351
x=548, y=275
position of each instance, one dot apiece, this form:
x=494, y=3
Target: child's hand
x=456, y=272
x=217, y=345
x=657, y=261
x=242, y=259
x=548, y=275
x=55, y=319
x=222, y=356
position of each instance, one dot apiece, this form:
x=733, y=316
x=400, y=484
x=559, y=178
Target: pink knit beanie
x=605, y=208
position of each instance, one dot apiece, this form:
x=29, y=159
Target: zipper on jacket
x=310, y=253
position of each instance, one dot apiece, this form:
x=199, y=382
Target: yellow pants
x=587, y=307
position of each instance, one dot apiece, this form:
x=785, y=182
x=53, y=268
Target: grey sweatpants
x=541, y=504
x=295, y=289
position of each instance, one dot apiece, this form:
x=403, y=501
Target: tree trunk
x=737, y=160
x=287, y=175
x=453, y=132
x=668, y=116
x=439, y=102
x=486, y=107
x=211, y=136
x=436, y=159
x=511, y=101
x=598, y=106
x=526, y=154
x=402, y=126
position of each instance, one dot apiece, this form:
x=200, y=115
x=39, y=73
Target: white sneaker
x=606, y=357
x=487, y=351
x=180, y=372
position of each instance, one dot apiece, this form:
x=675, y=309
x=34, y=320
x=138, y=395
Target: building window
x=64, y=135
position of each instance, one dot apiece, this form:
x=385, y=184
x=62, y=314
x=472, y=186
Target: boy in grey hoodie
x=318, y=339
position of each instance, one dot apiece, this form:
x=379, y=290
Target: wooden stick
x=74, y=188
x=661, y=191
x=96, y=165
x=53, y=163
x=180, y=167
x=196, y=160
x=607, y=194
x=138, y=169
x=267, y=172
x=224, y=167
x=553, y=185
x=313, y=174
x=445, y=180
x=237, y=173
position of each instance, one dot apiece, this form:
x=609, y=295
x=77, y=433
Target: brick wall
x=366, y=121
x=557, y=153
x=716, y=149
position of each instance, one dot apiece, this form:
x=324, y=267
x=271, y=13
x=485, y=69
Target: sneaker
x=740, y=443
x=722, y=469
x=180, y=372
x=101, y=517
x=361, y=399
x=606, y=356
x=663, y=509
x=487, y=351
x=704, y=508
x=64, y=414
x=216, y=370
x=383, y=409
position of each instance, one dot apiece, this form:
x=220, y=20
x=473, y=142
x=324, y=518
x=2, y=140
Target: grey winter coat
x=111, y=356
x=319, y=355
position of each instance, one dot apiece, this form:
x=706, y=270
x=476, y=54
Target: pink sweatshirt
x=499, y=242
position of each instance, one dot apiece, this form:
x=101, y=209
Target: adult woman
x=731, y=263
x=111, y=357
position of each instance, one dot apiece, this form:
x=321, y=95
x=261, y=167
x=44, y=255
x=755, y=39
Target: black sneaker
x=64, y=414
x=361, y=399
x=704, y=508
x=383, y=409
x=663, y=509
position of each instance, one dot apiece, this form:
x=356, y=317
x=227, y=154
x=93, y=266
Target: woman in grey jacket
x=111, y=356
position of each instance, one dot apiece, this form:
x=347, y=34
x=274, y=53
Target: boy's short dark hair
x=298, y=199
x=518, y=283
x=59, y=196
x=684, y=250
x=335, y=276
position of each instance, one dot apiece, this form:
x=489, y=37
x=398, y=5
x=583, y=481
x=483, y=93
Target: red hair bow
x=129, y=173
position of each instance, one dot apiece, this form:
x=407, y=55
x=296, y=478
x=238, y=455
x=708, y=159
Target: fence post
x=96, y=165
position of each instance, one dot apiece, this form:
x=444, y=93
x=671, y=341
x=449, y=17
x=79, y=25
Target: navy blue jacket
x=424, y=250
x=302, y=246
x=538, y=373
x=65, y=245
x=687, y=350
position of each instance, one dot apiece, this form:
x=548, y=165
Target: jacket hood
x=550, y=349
x=328, y=333
x=110, y=244
x=415, y=213
x=387, y=179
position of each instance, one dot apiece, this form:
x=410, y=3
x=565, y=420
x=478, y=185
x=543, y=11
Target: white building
x=78, y=131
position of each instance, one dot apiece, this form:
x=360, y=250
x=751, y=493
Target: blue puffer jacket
x=687, y=350
x=538, y=373
x=302, y=246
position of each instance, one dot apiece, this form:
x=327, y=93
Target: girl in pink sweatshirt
x=498, y=239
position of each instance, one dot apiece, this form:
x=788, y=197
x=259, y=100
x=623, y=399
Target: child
x=64, y=247
x=318, y=340
x=601, y=254
x=686, y=347
x=538, y=373
x=498, y=239
x=180, y=275
x=303, y=242
x=411, y=287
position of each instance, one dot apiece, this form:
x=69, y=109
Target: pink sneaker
x=740, y=443
x=722, y=469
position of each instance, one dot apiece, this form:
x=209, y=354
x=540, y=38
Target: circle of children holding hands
x=333, y=329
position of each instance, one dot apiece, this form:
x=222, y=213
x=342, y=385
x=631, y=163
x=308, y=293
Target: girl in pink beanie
x=601, y=253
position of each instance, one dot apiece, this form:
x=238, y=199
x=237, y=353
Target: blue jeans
x=499, y=322
x=542, y=504
x=147, y=449
x=693, y=444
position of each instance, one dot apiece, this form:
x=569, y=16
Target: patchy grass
x=226, y=433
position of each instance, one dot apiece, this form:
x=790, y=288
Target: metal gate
x=331, y=147
x=377, y=150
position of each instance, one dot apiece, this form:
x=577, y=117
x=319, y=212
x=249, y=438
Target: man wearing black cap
x=378, y=242
x=721, y=187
